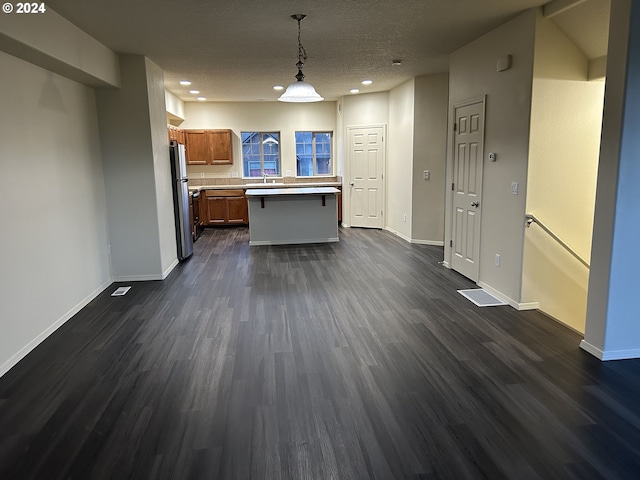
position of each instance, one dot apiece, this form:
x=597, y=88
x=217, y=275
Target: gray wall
x=429, y=153
x=53, y=240
x=135, y=161
x=508, y=105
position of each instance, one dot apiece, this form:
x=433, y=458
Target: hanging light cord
x=302, y=53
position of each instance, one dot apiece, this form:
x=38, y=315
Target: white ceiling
x=237, y=50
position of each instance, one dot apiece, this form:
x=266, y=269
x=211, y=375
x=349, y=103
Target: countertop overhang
x=263, y=186
x=266, y=192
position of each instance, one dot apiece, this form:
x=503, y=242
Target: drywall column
x=612, y=327
x=137, y=172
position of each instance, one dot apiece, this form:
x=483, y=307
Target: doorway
x=468, y=147
x=366, y=184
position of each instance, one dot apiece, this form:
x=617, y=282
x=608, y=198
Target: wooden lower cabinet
x=225, y=207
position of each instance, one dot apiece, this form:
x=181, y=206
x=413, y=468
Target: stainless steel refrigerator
x=184, y=238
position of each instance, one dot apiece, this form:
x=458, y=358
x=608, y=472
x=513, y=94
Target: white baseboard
x=433, y=243
x=611, y=354
x=510, y=301
x=24, y=351
x=166, y=273
x=398, y=234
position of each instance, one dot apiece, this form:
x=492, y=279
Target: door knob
x=475, y=204
x=352, y=183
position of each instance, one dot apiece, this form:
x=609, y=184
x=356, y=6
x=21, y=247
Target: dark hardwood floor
x=355, y=360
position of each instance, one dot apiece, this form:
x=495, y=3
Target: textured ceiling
x=237, y=50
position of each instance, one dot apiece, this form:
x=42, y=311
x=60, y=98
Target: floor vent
x=481, y=297
x=120, y=291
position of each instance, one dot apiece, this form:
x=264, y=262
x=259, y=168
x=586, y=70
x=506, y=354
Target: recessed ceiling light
x=396, y=62
x=354, y=90
x=202, y=99
x=278, y=87
x=185, y=82
x=367, y=82
x=195, y=92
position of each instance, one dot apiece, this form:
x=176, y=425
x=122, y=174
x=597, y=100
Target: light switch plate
x=426, y=174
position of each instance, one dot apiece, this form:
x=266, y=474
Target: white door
x=467, y=188
x=366, y=160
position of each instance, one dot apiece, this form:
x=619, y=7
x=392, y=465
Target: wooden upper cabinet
x=197, y=147
x=175, y=134
x=209, y=147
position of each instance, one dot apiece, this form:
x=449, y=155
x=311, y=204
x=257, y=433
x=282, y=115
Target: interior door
x=467, y=189
x=366, y=159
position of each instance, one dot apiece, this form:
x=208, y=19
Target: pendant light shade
x=300, y=91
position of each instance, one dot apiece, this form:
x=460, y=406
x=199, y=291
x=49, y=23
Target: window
x=261, y=154
x=313, y=154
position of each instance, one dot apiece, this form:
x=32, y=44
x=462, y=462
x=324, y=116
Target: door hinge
x=455, y=127
x=453, y=186
x=451, y=243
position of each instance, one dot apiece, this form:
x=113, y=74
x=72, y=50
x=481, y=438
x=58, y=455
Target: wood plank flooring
x=353, y=360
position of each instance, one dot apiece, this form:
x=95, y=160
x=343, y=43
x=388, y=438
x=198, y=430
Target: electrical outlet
x=514, y=188
x=426, y=174
x=287, y=173
x=497, y=260
x=234, y=174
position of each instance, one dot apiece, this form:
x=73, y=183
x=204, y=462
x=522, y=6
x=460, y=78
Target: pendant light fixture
x=300, y=91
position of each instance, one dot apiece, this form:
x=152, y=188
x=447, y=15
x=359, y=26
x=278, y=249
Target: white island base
x=282, y=216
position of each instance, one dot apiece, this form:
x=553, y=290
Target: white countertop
x=260, y=185
x=264, y=192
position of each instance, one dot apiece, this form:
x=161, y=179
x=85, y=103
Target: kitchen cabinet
x=226, y=207
x=209, y=147
x=175, y=134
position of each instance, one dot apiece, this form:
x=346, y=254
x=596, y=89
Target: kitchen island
x=280, y=216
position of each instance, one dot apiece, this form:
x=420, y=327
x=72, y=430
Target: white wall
x=258, y=117
x=175, y=108
x=400, y=159
x=161, y=166
x=52, y=42
x=53, y=241
x=135, y=154
x=429, y=153
x=566, y=121
x=473, y=74
x=612, y=328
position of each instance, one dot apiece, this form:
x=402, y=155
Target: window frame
x=278, y=160
x=314, y=159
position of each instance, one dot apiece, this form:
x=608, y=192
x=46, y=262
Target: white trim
x=24, y=351
x=146, y=278
x=254, y=243
x=169, y=269
x=609, y=355
x=397, y=234
x=412, y=240
x=517, y=305
x=433, y=243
